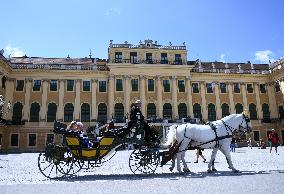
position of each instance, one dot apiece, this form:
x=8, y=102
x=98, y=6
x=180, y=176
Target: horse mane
x=171, y=135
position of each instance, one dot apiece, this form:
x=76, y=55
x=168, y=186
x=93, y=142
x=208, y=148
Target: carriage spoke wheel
x=55, y=162
x=143, y=161
x=76, y=166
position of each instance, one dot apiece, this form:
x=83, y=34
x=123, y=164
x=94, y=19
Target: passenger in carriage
x=109, y=129
x=82, y=132
x=72, y=127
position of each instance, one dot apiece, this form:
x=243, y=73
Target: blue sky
x=222, y=30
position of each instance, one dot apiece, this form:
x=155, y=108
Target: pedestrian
x=274, y=139
x=249, y=143
x=233, y=145
x=199, y=153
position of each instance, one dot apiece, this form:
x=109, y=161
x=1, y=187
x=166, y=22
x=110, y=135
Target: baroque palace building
x=171, y=88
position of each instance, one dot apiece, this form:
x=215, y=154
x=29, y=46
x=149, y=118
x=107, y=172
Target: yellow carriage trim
x=103, y=152
x=89, y=153
x=105, y=141
x=75, y=152
x=72, y=141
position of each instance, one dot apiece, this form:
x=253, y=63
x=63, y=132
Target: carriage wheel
x=55, y=163
x=143, y=161
x=76, y=166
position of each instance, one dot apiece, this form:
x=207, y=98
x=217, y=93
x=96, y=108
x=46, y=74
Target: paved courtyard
x=261, y=172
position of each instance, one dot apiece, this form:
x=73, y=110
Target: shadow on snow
x=171, y=176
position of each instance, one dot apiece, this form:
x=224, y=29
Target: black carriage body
x=71, y=156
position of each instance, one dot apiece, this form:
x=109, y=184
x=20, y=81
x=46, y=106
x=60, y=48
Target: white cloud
x=14, y=51
x=222, y=58
x=113, y=11
x=264, y=56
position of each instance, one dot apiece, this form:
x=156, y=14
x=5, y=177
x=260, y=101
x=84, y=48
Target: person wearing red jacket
x=274, y=139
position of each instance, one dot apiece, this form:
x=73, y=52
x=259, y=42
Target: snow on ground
x=23, y=168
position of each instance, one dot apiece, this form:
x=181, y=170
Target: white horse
x=204, y=136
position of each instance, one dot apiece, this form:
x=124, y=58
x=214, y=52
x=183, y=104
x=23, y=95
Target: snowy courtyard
x=259, y=170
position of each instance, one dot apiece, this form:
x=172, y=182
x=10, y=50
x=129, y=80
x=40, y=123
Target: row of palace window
x=120, y=115
x=53, y=86
x=149, y=58
x=31, y=141
x=32, y=138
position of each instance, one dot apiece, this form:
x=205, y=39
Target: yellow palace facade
x=171, y=89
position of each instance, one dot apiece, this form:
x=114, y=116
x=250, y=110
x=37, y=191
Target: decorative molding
x=28, y=80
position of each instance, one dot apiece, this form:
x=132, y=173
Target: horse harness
x=227, y=127
x=217, y=138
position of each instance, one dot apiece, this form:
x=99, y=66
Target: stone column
x=77, y=106
x=94, y=114
x=110, y=97
x=218, y=102
x=10, y=86
x=257, y=98
x=272, y=101
x=174, y=97
x=142, y=94
x=203, y=101
x=43, y=110
x=159, y=97
x=231, y=98
x=244, y=94
x=61, y=91
x=189, y=97
x=26, y=108
x=127, y=94
x=282, y=87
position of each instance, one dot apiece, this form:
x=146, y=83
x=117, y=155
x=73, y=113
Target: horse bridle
x=245, y=118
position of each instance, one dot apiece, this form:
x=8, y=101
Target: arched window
x=17, y=113
x=211, y=112
x=197, y=111
x=239, y=108
x=51, y=112
x=151, y=111
x=225, y=110
x=4, y=79
x=102, y=113
x=119, y=113
x=167, y=111
x=252, y=111
x=182, y=110
x=265, y=110
x=34, y=112
x=85, y=112
x=68, y=112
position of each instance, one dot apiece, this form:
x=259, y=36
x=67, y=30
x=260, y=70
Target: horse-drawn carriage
x=69, y=157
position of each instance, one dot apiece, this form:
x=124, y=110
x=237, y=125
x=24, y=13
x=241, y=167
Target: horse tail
x=171, y=137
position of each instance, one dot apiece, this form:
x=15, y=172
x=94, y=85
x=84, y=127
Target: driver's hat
x=272, y=129
x=138, y=102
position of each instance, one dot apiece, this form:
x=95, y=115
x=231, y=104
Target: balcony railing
x=143, y=46
x=146, y=61
x=231, y=71
x=54, y=66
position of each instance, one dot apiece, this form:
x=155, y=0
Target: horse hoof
x=209, y=171
x=236, y=171
x=214, y=170
x=186, y=170
x=171, y=169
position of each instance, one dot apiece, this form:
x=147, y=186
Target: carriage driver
x=136, y=115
